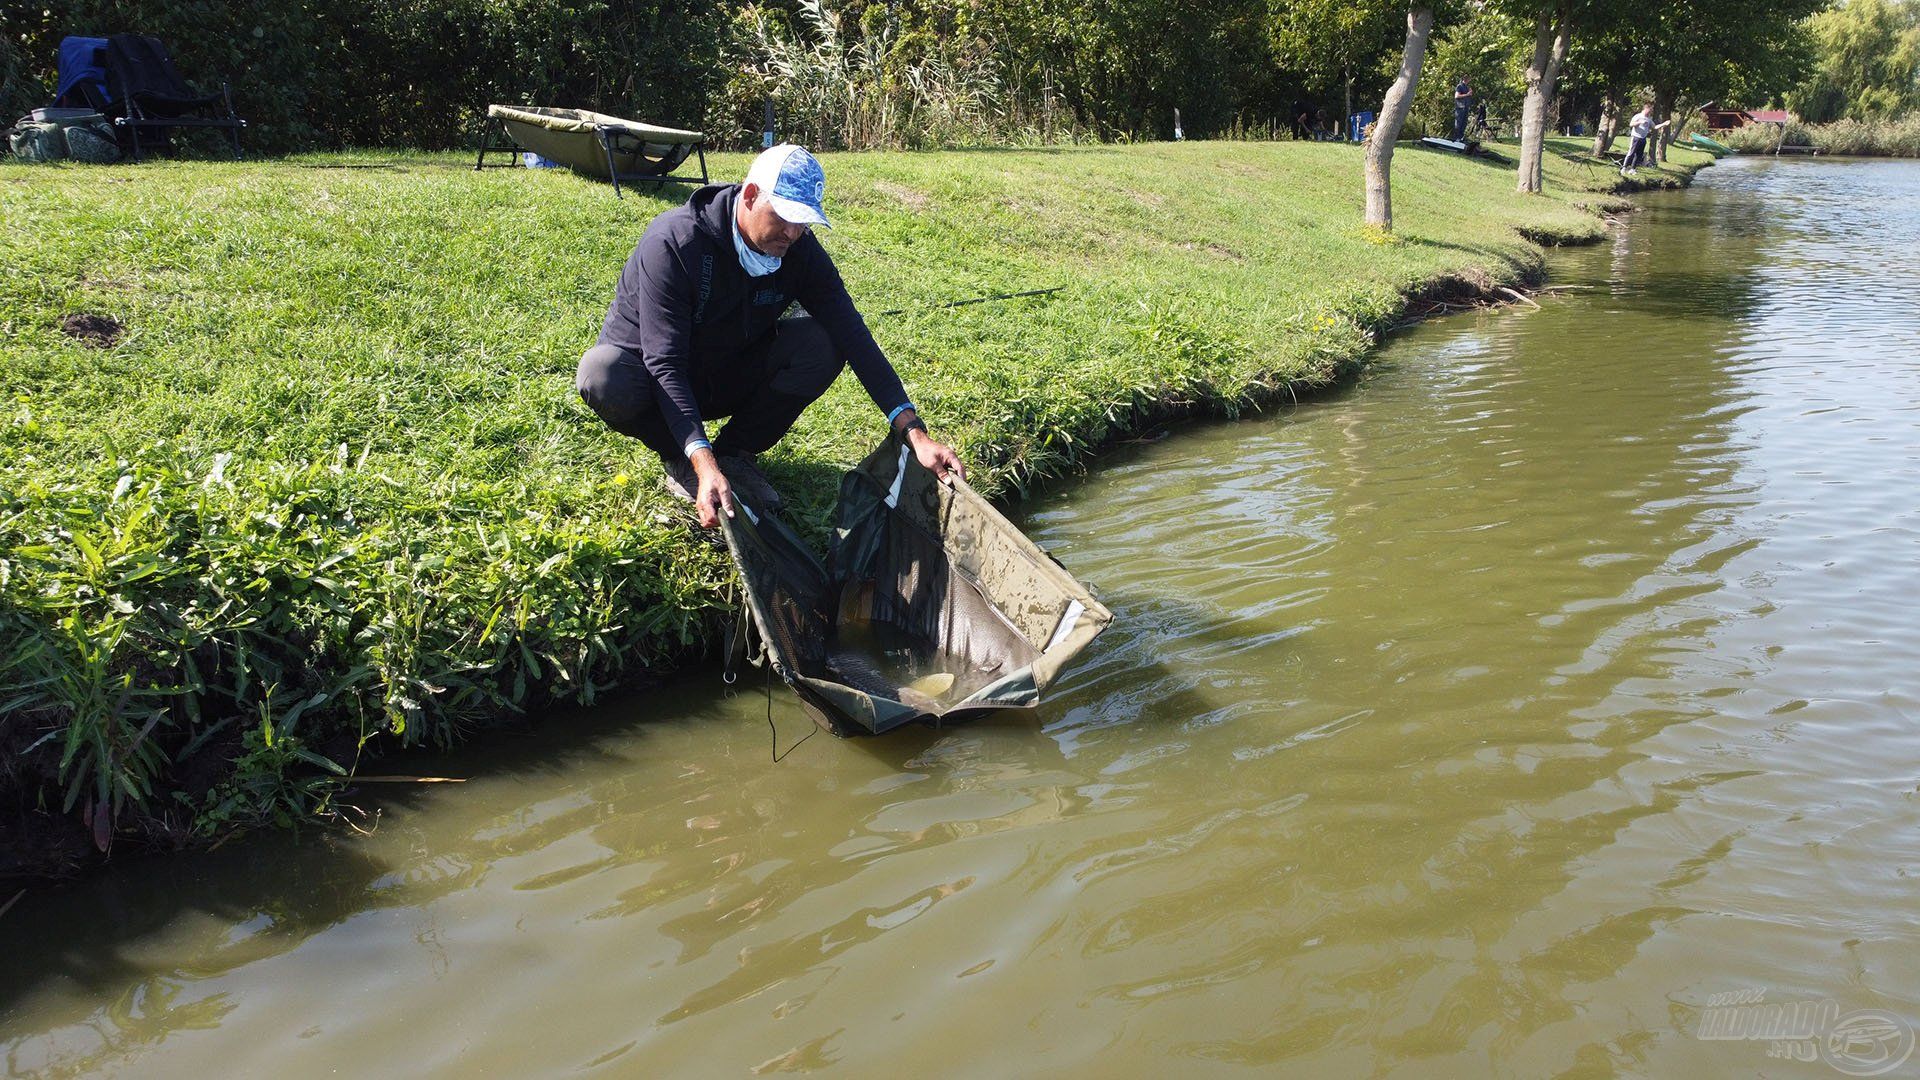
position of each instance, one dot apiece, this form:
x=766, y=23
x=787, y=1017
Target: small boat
x=1702, y=142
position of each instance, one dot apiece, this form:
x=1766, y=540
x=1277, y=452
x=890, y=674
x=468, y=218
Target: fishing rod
x=885, y=258
x=989, y=298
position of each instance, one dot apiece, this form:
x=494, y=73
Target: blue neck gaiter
x=753, y=262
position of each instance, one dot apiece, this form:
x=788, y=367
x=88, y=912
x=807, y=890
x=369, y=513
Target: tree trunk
x=1662, y=112
x=1684, y=107
x=1550, y=40
x=1393, y=115
x=1609, y=124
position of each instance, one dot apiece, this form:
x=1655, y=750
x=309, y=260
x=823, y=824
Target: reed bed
x=1847, y=138
x=887, y=89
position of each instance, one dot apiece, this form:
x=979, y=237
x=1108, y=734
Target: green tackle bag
x=37, y=140
x=62, y=135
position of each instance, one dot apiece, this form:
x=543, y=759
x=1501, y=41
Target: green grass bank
x=322, y=487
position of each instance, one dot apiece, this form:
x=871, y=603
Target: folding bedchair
x=593, y=144
x=148, y=95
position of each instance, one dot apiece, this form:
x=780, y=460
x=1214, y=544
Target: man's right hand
x=715, y=496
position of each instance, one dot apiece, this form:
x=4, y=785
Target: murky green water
x=1492, y=718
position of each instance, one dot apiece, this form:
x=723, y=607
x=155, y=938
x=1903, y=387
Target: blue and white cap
x=791, y=177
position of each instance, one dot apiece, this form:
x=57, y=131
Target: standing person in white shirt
x=1643, y=127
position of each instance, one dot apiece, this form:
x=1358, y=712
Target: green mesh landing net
x=931, y=606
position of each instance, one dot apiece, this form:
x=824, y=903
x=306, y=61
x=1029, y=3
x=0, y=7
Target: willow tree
x=1868, y=62
x=1393, y=115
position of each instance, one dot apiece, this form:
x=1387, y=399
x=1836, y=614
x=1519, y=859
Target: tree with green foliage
x=1336, y=42
x=1483, y=46
x=949, y=72
x=1681, y=52
x=1710, y=48
x=1342, y=38
x=1123, y=67
x=1867, y=64
x=1610, y=63
x=1393, y=115
x=1552, y=36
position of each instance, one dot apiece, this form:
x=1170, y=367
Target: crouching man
x=695, y=333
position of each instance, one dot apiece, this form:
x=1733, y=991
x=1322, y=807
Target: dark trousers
x=1459, y=122
x=763, y=390
x=1636, y=154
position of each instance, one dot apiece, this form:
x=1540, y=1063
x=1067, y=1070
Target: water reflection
x=1484, y=718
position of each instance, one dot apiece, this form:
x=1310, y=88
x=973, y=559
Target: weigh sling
x=931, y=605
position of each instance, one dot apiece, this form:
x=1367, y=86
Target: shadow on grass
x=1486, y=157
x=1511, y=261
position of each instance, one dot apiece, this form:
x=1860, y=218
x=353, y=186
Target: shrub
x=411, y=73
x=21, y=89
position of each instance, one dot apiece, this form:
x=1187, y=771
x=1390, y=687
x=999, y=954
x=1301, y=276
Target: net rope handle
x=742, y=635
x=741, y=638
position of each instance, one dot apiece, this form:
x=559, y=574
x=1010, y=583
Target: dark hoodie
x=684, y=303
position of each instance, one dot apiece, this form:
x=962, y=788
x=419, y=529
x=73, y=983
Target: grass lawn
x=331, y=483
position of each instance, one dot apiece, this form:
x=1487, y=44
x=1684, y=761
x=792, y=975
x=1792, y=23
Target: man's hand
x=715, y=496
x=934, y=456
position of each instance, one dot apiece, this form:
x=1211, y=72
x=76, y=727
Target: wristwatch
x=915, y=424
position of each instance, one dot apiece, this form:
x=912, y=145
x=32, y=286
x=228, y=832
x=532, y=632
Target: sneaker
x=743, y=472
x=680, y=481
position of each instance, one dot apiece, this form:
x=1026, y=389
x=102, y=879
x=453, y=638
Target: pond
x=1540, y=705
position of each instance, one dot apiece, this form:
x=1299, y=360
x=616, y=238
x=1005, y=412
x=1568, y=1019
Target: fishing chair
x=148, y=94
x=83, y=74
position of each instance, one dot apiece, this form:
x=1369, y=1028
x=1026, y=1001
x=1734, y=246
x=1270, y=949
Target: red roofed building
x=1724, y=119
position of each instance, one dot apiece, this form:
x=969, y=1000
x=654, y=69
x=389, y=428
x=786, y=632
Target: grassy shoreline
x=329, y=490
